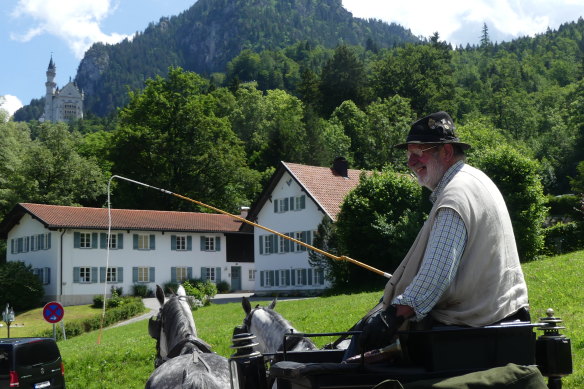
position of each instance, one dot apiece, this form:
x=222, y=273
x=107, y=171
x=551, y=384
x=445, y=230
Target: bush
x=223, y=287
x=564, y=237
x=517, y=178
x=170, y=287
x=19, y=286
x=130, y=307
x=141, y=290
x=201, y=291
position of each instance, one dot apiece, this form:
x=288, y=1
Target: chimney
x=243, y=212
x=341, y=166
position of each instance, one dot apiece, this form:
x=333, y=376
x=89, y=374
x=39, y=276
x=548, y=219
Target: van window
x=35, y=353
x=4, y=364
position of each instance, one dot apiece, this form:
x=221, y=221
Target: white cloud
x=75, y=21
x=10, y=104
x=460, y=21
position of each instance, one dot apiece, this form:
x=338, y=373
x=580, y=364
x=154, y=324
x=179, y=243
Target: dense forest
x=218, y=135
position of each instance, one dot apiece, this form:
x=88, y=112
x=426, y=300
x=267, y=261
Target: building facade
x=67, y=248
x=61, y=105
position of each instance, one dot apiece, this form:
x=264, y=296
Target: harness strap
x=198, y=342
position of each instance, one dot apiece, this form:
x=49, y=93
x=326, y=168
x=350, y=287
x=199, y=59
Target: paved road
x=153, y=305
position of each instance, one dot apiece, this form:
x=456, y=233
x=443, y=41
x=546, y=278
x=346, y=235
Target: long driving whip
x=335, y=257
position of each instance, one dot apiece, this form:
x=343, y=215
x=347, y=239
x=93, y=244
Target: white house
x=67, y=248
x=294, y=202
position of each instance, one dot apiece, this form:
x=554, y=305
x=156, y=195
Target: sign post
x=8, y=317
x=53, y=312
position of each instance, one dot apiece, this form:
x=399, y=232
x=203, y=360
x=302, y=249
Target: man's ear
x=448, y=152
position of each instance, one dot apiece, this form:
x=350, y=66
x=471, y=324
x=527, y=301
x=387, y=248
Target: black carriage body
x=438, y=353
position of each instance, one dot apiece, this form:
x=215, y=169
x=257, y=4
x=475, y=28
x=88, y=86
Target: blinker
x=154, y=328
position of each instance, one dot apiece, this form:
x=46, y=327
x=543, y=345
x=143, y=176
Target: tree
x=20, y=287
x=378, y=222
x=14, y=140
x=342, y=78
x=517, y=177
x=485, y=40
x=170, y=137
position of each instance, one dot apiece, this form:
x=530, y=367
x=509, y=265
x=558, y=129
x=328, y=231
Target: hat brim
x=465, y=146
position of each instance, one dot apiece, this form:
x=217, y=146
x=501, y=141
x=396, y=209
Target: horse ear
x=246, y=305
x=272, y=304
x=160, y=295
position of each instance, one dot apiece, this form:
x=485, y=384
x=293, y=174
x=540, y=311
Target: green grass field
x=124, y=358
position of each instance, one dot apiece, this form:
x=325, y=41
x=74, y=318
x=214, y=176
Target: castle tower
x=61, y=105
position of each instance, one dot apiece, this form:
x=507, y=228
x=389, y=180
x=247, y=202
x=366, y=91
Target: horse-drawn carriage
x=269, y=353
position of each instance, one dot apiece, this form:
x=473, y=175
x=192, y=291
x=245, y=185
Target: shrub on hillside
x=562, y=238
x=19, y=287
x=517, y=178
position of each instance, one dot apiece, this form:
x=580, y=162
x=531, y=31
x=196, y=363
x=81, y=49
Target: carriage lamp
x=246, y=366
x=553, y=352
x=8, y=317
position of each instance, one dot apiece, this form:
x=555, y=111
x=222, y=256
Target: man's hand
x=380, y=329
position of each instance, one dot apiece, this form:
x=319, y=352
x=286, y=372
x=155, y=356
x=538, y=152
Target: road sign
x=53, y=312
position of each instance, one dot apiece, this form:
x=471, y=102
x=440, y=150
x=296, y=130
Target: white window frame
x=143, y=242
x=143, y=274
x=267, y=244
x=85, y=274
x=281, y=244
x=210, y=243
x=252, y=274
x=297, y=246
x=282, y=277
x=111, y=275
x=84, y=240
x=268, y=280
x=112, y=241
x=182, y=274
x=181, y=243
x=299, y=277
x=211, y=274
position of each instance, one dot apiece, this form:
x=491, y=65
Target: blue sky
x=32, y=30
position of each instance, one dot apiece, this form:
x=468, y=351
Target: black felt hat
x=434, y=128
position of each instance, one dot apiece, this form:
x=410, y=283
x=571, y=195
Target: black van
x=33, y=363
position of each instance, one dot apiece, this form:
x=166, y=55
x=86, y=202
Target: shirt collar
x=446, y=178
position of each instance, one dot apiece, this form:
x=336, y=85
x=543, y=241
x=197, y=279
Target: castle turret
x=50, y=91
x=63, y=104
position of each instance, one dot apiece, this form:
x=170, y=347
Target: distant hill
x=208, y=35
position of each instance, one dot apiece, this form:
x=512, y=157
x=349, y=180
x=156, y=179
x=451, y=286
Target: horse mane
x=272, y=331
x=176, y=326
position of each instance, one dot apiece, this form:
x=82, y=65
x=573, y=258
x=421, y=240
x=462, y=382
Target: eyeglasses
x=418, y=152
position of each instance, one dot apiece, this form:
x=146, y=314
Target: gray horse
x=269, y=328
x=182, y=359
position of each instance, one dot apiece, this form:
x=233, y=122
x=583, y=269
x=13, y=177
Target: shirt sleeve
x=440, y=263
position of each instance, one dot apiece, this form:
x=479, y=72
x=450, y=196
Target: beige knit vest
x=489, y=283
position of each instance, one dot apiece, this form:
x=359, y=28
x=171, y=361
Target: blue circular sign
x=53, y=312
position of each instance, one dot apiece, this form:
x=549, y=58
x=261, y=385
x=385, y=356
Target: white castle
x=61, y=105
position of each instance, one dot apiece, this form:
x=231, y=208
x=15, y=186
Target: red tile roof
x=326, y=187
x=57, y=216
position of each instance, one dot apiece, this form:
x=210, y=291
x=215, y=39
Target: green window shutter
x=218, y=243
x=302, y=202
x=293, y=271
x=287, y=277
x=94, y=240
x=309, y=237
x=33, y=243
x=217, y=274
x=173, y=242
x=48, y=241
x=202, y=243
x=152, y=274
x=303, y=277
x=303, y=239
x=120, y=241
x=173, y=274
x=272, y=275
x=190, y=273
x=261, y=239
x=102, y=274
x=135, y=239
x=203, y=273
x=309, y=276
x=94, y=274
x=286, y=204
x=48, y=275
x=261, y=278
x=291, y=203
x=120, y=274
x=134, y=274
x=102, y=240
x=277, y=277
x=189, y=243
x=274, y=243
x=152, y=242
x=76, y=275
x=321, y=277
x=286, y=244
x=276, y=206
x=76, y=240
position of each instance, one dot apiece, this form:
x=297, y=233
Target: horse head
x=174, y=327
x=269, y=328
